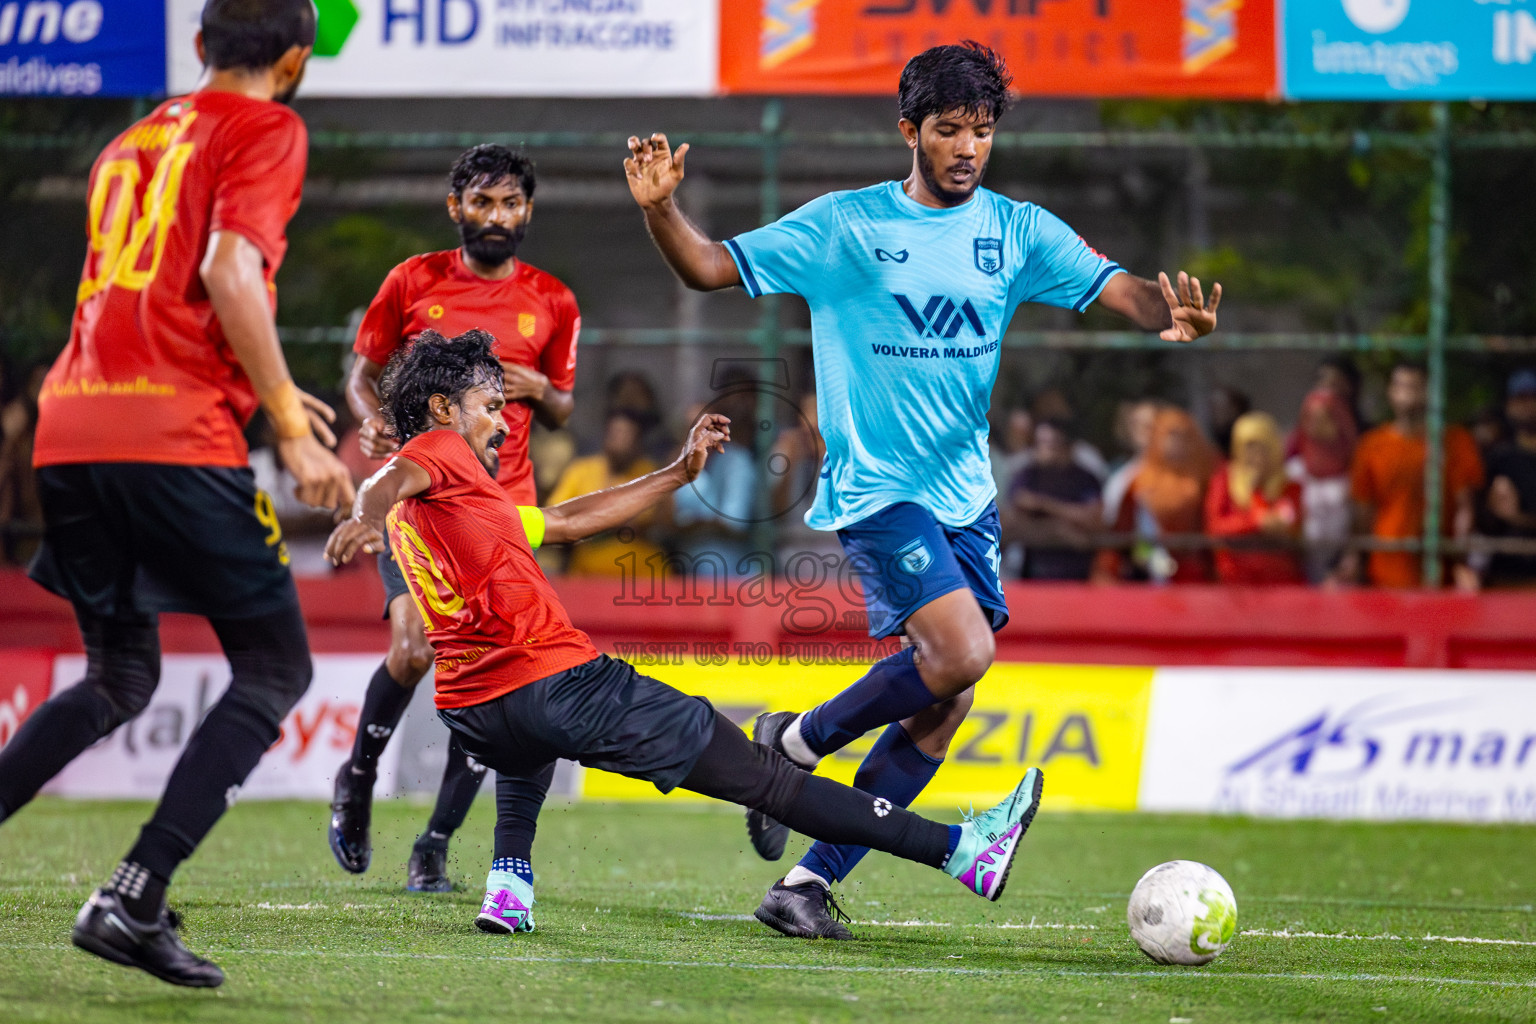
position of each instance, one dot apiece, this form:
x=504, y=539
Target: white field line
x=1258, y=933
x=605, y=961
x=1031, y=925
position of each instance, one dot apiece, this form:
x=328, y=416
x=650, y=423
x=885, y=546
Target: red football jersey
x=532, y=316
x=147, y=375
x=491, y=615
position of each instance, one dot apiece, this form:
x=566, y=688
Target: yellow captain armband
x=533, y=524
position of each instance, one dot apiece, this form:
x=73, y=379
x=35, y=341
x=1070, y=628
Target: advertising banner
x=494, y=48
x=26, y=679
x=1322, y=743
x=135, y=760
x=1215, y=48
x=1082, y=725
x=1410, y=49
x=82, y=47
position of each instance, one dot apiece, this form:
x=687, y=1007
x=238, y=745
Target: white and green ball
x=1182, y=912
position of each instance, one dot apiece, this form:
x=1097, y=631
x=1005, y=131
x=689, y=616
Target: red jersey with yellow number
x=491, y=615
x=532, y=316
x=147, y=375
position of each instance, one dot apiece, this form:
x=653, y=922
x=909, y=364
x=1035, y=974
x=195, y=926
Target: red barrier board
x=1210, y=48
x=26, y=677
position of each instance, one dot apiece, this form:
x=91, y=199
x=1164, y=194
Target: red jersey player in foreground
x=521, y=686
x=148, y=500
x=534, y=318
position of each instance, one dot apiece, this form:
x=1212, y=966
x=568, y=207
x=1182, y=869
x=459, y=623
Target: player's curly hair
x=491, y=163
x=967, y=76
x=434, y=365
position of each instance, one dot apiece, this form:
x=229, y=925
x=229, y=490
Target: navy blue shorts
x=904, y=558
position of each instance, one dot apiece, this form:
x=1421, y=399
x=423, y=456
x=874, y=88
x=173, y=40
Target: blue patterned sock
x=890, y=691
x=894, y=768
x=520, y=867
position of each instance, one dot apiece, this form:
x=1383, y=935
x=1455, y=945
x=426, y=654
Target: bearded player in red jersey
x=483, y=285
x=521, y=686
x=148, y=501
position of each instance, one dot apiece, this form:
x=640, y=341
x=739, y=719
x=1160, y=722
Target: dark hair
x=434, y=365
x=968, y=77
x=1061, y=426
x=254, y=34
x=490, y=163
x=1346, y=368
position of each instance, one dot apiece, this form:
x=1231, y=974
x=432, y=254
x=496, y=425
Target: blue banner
x=82, y=47
x=1409, y=49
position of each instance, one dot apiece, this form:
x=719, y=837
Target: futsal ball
x=1182, y=912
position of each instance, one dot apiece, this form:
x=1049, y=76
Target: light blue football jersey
x=908, y=304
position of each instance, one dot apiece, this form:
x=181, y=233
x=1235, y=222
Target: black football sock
x=270, y=670
x=734, y=768
x=122, y=670
x=141, y=892
x=518, y=801
x=462, y=776
x=384, y=705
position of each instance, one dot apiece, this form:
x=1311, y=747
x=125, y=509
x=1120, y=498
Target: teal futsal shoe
x=989, y=840
x=508, y=905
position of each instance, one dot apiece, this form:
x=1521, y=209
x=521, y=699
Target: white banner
x=493, y=48
x=1342, y=743
x=135, y=760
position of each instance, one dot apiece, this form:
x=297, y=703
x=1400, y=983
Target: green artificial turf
x=643, y=910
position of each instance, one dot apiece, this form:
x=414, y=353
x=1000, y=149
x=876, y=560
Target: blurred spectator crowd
x=1320, y=496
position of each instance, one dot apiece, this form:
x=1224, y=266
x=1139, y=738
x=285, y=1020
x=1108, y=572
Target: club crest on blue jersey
x=914, y=558
x=989, y=255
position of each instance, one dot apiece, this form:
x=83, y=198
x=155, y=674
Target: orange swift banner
x=1217, y=48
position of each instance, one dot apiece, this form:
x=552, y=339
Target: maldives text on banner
x=1082, y=725
x=82, y=47
x=1410, y=49
x=494, y=48
x=135, y=760
x=1214, y=48
x=1326, y=743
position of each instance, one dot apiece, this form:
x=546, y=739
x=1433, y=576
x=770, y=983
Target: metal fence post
x=769, y=340
x=1434, y=425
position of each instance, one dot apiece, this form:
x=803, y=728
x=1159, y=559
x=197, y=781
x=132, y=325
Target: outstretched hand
x=1192, y=318
x=709, y=434
x=653, y=170
x=350, y=536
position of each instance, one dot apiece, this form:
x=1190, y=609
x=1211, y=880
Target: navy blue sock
x=890, y=691
x=524, y=870
x=894, y=768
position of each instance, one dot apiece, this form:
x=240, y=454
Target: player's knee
x=123, y=668
x=409, y=658
x=956, y=667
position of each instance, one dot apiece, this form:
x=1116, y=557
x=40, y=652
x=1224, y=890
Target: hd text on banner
x=1213, y=48
x=82, y=47
x=1410, y=49
x=1082, y=725
x=494, y=48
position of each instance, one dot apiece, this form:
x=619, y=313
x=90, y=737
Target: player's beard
x=491, y=460
x=492, y=245
x=931, y=179
x=286, y=96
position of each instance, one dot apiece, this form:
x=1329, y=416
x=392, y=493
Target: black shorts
x=602, y=713
x=130, y=539
x=391, y=576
